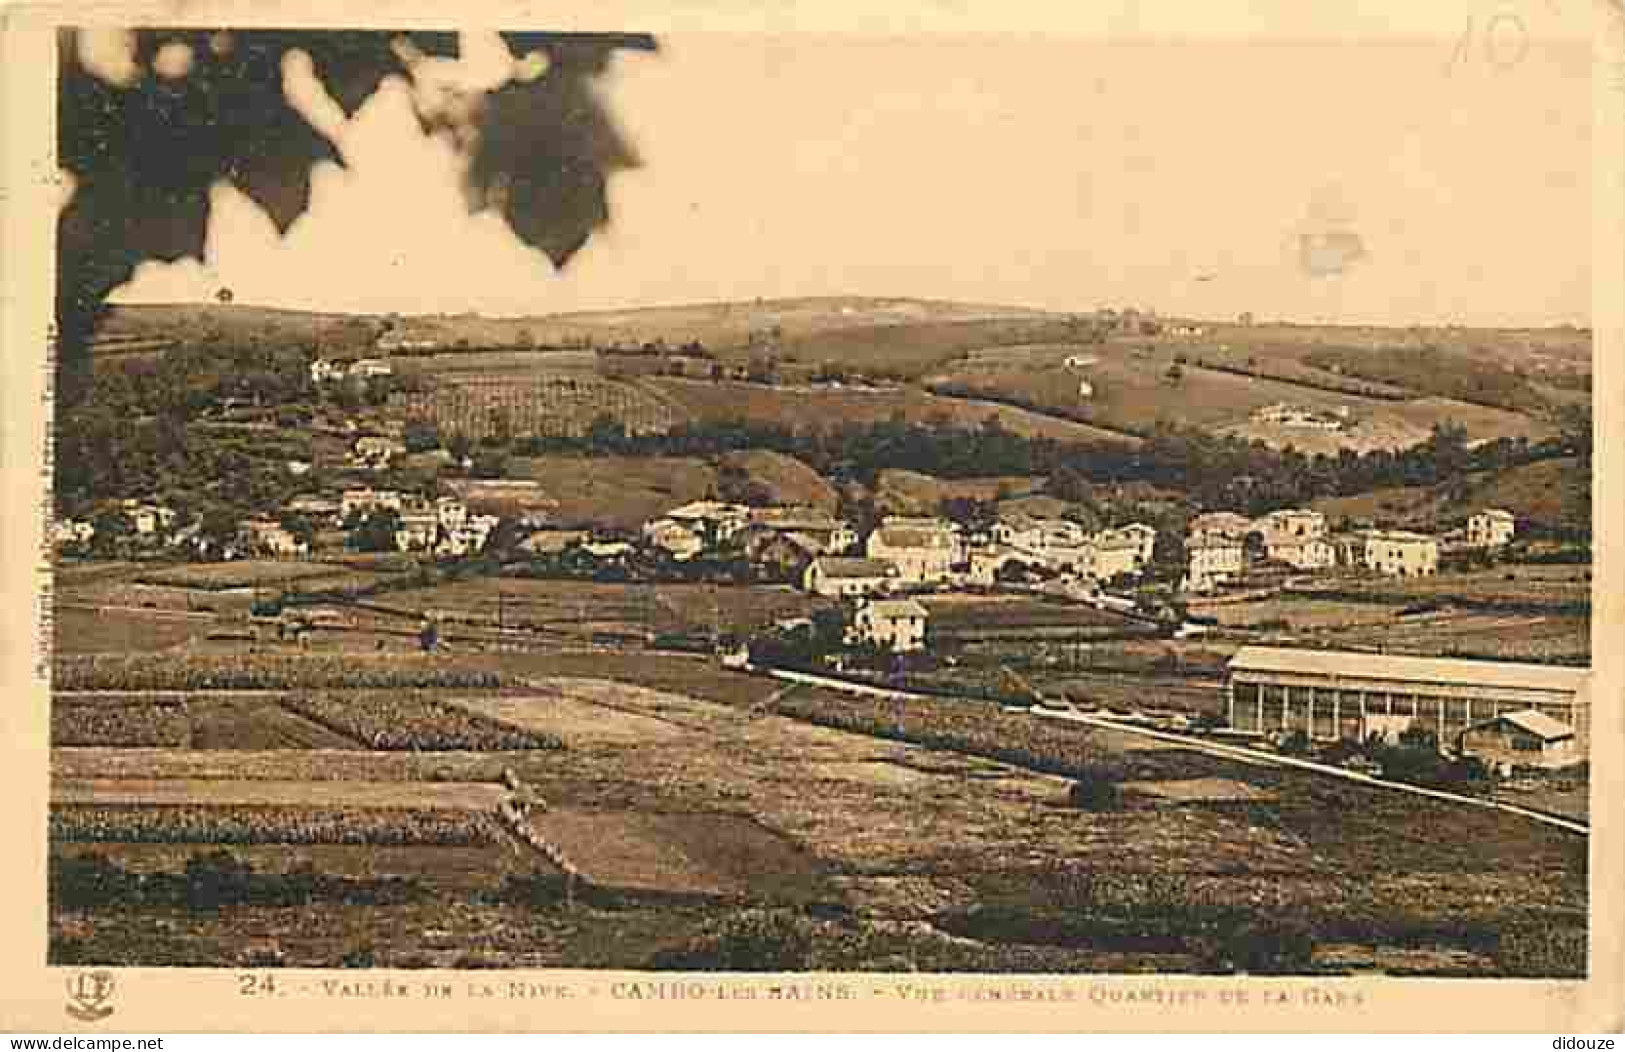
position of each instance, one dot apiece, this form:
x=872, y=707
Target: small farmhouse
x=897, y=625
x=1223, y=525
x=417, y=527
x=365, y=501
x=839, y=576
x=781, y=556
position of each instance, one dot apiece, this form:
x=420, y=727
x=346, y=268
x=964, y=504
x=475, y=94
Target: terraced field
x=688, y=791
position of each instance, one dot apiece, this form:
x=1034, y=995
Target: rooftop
x=911, y=537
x=855, y=567
x=706, y=509
x=896, y=608
x=1407, y=669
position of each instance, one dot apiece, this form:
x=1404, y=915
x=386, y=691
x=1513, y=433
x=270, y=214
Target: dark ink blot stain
x=1328, y=243
x=1331, y=252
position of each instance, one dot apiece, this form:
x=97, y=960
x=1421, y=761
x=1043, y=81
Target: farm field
x=89, y=630
x=960, y=618
x=1304, y=613
x=1503, y=637
x=674, y=853
x=468, y=868
x=153, y=672
x=820, y=407
x=227, y=792
x=226, y=722
x=580, y=608
x=244, y=573
x=580, y=711
x=1557, y=587
x=123, y=593
x=757, y=785
x=1529, y=625
x=1131, y=390
x=1549, y=492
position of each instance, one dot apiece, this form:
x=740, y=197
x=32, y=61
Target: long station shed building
x=1333, y=694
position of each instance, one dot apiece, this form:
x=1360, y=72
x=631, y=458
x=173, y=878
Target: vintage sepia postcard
x=802, y=518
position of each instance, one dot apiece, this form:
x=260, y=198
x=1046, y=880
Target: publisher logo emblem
x=88, y=993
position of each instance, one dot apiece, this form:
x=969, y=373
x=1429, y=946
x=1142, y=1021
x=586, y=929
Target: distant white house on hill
x=1491, y=528
x=269, y=537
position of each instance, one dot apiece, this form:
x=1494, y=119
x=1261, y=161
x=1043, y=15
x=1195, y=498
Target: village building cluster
x=442, y=527
x=1221, y=547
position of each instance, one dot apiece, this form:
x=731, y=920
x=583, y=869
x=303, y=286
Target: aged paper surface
x=968, y=517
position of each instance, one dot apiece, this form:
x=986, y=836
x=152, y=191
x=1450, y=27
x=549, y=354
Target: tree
x=302, y=529
x=1069, y=484
x=144, y=150
x=376, y=533
x=1169, y=559
x=490, y=462
x=762, y=369
x=606, y=434
x=1096, y=789
x=112, y=530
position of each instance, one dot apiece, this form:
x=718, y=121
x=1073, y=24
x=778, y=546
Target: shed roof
x=1401, y=668
x=1532, y=721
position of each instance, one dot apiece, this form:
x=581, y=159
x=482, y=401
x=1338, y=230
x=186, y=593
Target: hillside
x=824, y=407
x=825, y=362
x=722, y=325
x=899, y=492
x=1133, y=387
x=616, y=492
x=1550, y=493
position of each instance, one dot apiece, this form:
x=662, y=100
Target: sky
x=1365, y=179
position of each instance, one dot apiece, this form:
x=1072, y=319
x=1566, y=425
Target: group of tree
x=1212, y=471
